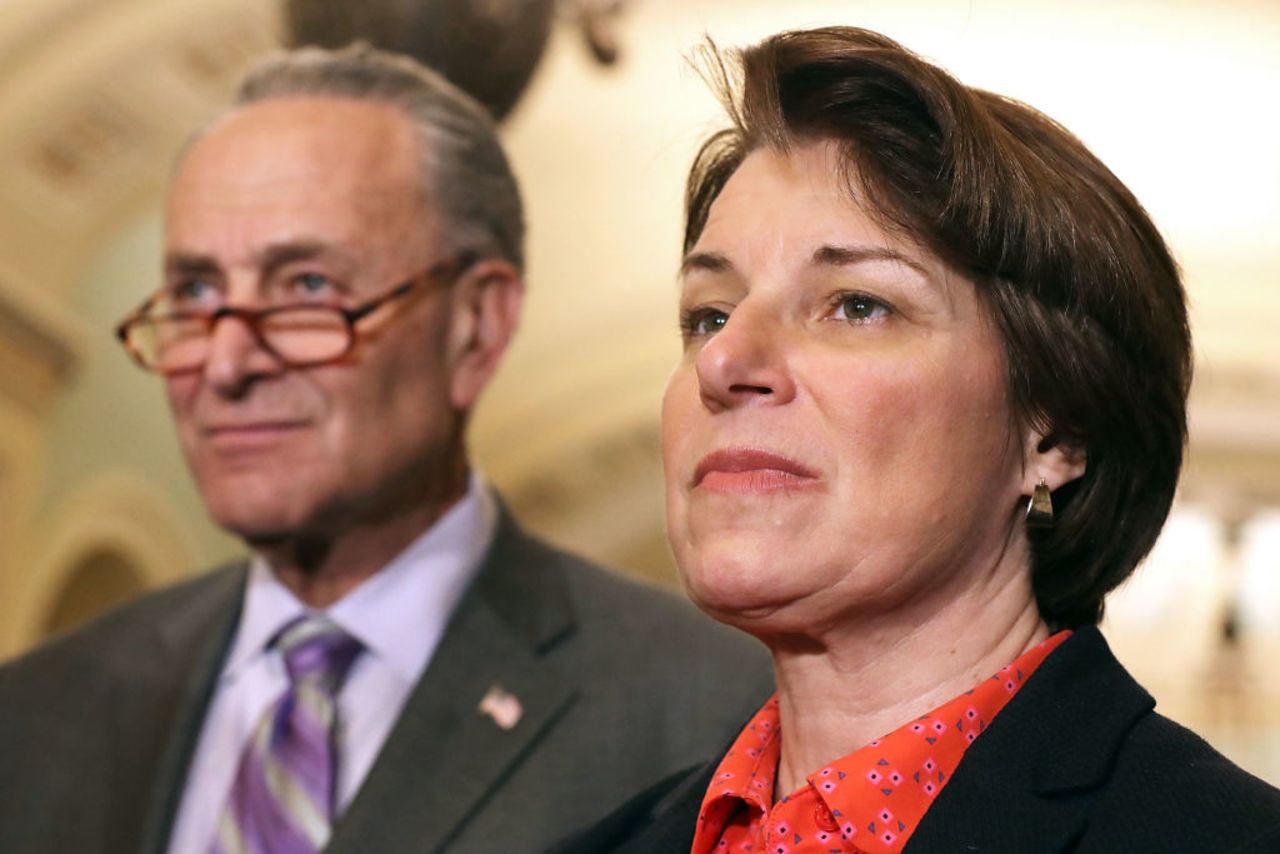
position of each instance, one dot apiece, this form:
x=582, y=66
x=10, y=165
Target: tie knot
x=316, y=651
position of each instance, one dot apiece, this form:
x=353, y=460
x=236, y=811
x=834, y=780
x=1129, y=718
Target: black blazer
x=1077, y=761
x=621, y=685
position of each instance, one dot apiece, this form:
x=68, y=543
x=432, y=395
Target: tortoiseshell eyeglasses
x=298, y=334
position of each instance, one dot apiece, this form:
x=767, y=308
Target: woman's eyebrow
x=827, y=255
x=845, y=256
x=848, y=256
x=711, y=262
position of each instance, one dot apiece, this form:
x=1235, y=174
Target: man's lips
x=745, y=470
x=245, y=434
x=264, y=425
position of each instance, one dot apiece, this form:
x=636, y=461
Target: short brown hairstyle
x=1079, y=282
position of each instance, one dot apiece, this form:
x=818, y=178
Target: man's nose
x=236, y=357
x=745, y=363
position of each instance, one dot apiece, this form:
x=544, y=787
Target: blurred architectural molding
x=97, y=101
x=116, y=516
x=1234, y=457
x=21, y=452
x=580, y=459
x=40, y=347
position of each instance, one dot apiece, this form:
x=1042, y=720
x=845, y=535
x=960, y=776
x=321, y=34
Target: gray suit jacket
x=621, y=685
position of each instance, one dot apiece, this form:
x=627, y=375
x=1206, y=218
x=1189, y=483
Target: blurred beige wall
x=95, y=505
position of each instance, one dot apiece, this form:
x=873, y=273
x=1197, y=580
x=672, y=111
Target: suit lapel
x=158, y=704
x=445, y=755
x=1028, y=784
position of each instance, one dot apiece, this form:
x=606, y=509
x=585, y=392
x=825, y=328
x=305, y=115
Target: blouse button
x=825, y=819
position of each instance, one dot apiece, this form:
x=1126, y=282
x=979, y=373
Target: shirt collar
x=918, y=757
x=745, y=775
x=399, y=613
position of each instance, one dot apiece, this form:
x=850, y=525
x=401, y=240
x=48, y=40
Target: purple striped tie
x=282, y=800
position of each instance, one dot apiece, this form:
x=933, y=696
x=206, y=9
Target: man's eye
x=860, y=308
x=194, y=293
x=700, y=322
x=313, y=285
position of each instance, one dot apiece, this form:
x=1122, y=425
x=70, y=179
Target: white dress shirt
x=399, y=614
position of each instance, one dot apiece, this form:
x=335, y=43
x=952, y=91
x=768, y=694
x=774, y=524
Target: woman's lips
x=749, y=470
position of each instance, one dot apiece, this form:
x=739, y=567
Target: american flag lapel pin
x=501, y=705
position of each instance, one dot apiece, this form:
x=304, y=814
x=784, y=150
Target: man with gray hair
x=397, y=667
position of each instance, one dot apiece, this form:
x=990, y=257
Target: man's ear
x=485, y=313
x=1053, y=461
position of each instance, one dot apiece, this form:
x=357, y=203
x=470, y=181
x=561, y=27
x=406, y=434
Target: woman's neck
x=846, y=688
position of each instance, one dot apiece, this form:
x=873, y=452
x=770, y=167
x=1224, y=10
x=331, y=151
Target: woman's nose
x=745, y=363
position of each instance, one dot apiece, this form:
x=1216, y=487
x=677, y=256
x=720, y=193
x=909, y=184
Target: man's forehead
x=322, y=163
x=340, y=140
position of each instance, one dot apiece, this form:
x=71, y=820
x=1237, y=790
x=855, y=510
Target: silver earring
x=1040, y=507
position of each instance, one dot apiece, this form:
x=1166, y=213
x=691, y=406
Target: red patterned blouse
x=868, y=802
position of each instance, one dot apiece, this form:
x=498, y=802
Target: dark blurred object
x=598, y=20
x=488, y=48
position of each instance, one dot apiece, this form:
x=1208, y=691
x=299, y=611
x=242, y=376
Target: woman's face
x=837, y=435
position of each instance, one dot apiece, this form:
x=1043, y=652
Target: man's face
x=301, y=200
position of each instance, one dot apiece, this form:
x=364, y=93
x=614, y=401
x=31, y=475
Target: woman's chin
x=742, y=592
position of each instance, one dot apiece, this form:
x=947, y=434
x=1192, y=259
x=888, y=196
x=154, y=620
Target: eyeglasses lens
x=299, y=335
x=306, y=334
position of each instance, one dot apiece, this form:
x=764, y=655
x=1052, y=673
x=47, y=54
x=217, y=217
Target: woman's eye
x=700, y=322
x=860, y=308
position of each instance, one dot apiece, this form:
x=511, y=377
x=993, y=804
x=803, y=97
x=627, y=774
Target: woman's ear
x=485, y=313
x=1055, y=462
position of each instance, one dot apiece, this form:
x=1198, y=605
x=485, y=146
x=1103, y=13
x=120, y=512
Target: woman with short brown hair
x=931, y=410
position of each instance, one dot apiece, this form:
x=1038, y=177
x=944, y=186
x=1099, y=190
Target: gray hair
x=465, y=172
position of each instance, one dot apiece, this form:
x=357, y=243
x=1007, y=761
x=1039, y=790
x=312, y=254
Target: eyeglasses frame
x=447, y=271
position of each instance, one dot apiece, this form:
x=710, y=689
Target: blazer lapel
x=675, y=817
x=1028, y=784
x=445, y=755
x=996, y=817
x=663, y=817
x=1025, y=787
